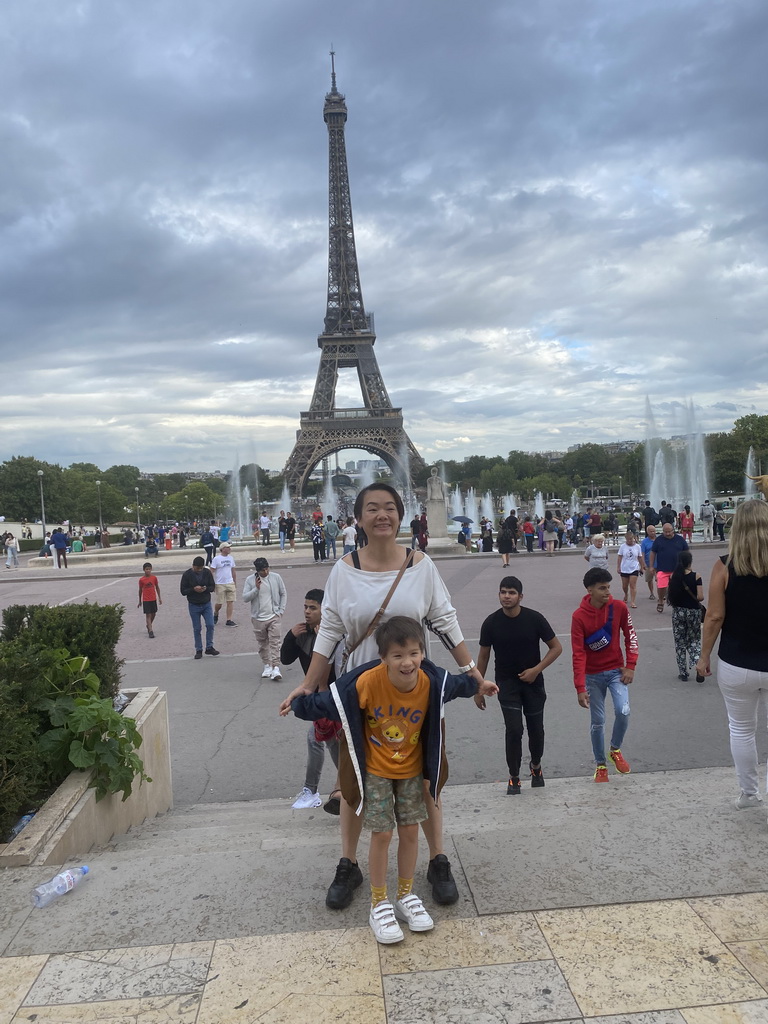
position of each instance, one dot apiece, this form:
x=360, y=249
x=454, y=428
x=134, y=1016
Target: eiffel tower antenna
x=347, y=340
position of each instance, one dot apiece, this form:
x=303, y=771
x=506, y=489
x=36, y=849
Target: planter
x=71, y=821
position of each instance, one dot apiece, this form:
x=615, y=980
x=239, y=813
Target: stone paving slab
x=645, y=963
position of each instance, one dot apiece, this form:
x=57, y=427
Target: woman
x=685, y=522
x=12, y=551
x=550, y=527
x=596, y=553
x=356, y=588
x=685, y=594
x=738, y=599
x=504, y=543
x=423, y=537
x=630, y=565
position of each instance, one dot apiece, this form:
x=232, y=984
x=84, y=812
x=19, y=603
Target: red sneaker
x=621, y=765
x=601, y=773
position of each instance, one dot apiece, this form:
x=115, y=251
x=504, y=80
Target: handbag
x=702, y=606
x=379, y=614
x=602, y=637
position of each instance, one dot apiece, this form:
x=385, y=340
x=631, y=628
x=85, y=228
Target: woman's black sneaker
x=513, y=787
x=537, y=777
x=348, y=877
x=440, y=878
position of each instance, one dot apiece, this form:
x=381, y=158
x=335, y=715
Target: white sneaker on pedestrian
x=305, y=799
x=411, y=910
x=384, y=924
x=276, y=673
x=267, y=673
x=745, y=801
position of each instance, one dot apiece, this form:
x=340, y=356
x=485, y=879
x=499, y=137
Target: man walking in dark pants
x=197, y=585
x=514, y=634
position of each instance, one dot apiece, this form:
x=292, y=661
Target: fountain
x=486, y=506
x=239, y=502
x=457, y=508
x=676, y=476
x=470, y=505
x=285, y=500
x=750, y=486
x=366, y=477
x=538, y=504
x=575, y=502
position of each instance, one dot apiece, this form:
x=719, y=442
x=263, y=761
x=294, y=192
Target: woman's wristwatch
x=467, y=668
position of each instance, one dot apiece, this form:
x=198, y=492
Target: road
x=228, y=742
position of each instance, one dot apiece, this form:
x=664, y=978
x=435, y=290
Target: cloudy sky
x=560, y=208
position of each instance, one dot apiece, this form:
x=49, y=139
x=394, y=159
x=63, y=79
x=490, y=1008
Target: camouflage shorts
x=387, y=800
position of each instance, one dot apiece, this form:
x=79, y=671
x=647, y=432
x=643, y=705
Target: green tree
x=20, y=490
x=124, y=478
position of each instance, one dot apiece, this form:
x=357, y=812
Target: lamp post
x=101, y=521
x=592, y=490
x=621, y=492
x=165, y=510
x=186, y=499
x=138, y=522
x=40, y=475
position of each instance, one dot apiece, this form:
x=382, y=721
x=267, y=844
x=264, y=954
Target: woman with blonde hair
x=737, y=611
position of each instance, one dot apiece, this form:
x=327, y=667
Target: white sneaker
x=411, y=910
x=745, y=801
x=384, y=924
x=305, y=799
x=276, y=673
x=267, y=673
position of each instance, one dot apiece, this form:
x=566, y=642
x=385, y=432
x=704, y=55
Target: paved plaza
x=643, y=901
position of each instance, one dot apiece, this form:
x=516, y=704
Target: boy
x=149, y=596
x=298, y=643
x=514, y=633
x=598, y=665
x=392, y=712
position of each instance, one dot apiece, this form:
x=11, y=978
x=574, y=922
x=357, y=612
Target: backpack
x=549, y=526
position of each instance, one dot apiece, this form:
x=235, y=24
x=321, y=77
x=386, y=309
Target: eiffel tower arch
x=346, y=342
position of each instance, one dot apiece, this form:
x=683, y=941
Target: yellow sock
x=404, y=886
x=378, y=894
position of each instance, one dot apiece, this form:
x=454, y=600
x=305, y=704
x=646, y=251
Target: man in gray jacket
x=265, y=592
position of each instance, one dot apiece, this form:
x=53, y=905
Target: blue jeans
x=330, y=542
x=205, y=612
x=597, y=687
x=282, y=540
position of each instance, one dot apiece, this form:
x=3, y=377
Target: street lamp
x=186, y=499
x=101, y=521
x=138, y=522
x=40, y=475
x=621, y=492
x=592, y=490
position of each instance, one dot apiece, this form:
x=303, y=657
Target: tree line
x=73, y=492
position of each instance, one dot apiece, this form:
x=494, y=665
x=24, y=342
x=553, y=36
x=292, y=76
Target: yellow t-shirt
x=393, y=723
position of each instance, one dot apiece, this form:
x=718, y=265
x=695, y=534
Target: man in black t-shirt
x=514, y=634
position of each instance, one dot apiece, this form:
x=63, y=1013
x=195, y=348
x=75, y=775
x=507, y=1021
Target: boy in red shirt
x=149, y=596
x=599, y=667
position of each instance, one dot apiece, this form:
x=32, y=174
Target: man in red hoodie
x=599, y=667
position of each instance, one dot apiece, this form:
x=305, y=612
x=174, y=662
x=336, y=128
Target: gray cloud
x=558, y=211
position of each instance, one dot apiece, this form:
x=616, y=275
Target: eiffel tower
x=347, y=341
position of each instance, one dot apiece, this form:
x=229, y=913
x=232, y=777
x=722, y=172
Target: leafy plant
x=87, y=731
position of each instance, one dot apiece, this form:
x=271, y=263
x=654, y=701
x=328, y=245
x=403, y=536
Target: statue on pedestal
x=435, y=489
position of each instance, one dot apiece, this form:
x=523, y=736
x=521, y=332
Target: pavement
x=642, y=901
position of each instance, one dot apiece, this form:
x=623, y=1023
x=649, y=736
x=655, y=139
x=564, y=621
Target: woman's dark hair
x=360, y=499
x=548, y=514
x=677, y=592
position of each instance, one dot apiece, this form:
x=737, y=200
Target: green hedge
x=91, y=630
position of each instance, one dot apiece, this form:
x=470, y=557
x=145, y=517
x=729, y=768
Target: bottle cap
x=86, y=869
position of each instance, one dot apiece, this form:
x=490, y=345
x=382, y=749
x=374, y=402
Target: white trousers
x=744, y=692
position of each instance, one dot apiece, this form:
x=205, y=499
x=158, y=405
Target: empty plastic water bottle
x=50, y=891
x=21, y=824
